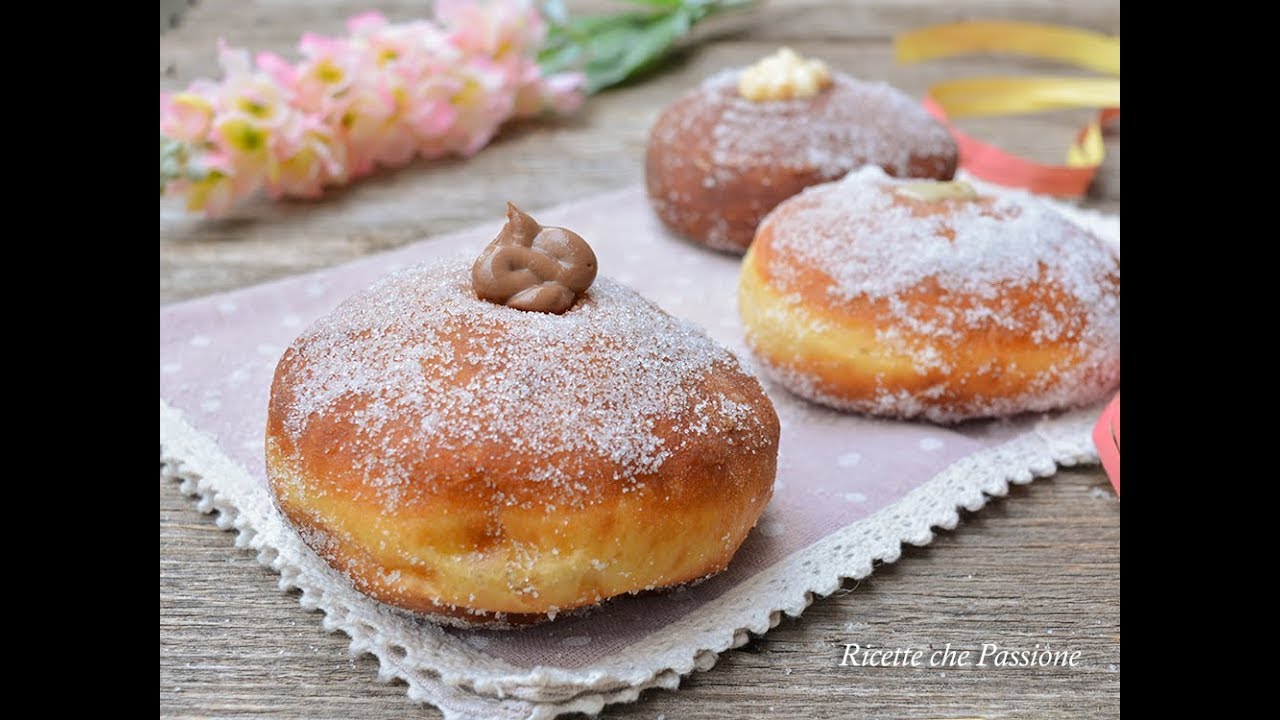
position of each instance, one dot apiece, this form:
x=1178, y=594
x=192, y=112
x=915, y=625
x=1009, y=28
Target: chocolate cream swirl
x=534, y=268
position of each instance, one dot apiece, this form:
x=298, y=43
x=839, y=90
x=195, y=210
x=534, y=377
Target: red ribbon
x=988, y=162
x=1106, y=437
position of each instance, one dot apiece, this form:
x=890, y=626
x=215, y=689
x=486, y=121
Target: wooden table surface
x=1041, y=566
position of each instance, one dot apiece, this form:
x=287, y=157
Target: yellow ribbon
x=974, y=97
x=1083, y=48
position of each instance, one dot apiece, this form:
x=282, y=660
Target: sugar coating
x=713, y=147
x=873, y=247
x=613, y=378
x=875, y=251
x=859, y=123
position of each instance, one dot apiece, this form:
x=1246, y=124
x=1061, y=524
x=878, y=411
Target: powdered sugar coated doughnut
x=483, y=464
x=861, y=295
x=717, y=163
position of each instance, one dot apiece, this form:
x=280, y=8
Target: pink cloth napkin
x=849, y=490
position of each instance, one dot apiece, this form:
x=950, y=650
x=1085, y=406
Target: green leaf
x=172, y=161
x=568, y=45
x=670, y=4
x=556, y=59
x=624, y=54
x=583, y=28
x=610, y=49
x=555, y=12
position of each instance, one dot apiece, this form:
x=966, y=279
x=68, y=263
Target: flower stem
x=611, y=49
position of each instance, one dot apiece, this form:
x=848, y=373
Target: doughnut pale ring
x=484, y=464
x=911, y=299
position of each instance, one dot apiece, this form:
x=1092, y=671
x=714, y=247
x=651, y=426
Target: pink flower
x=310, y=157
x=214, y=195
x=185, y=116
x=563, y=93
x=218, y=187
x=366, y=23
x=498, y=29
x=277, y=68
x=256, y=95
x=384, y=43
x=560, y=94
x=485, y=98
x=381, y=96
x=365, y=117
x=246, y=147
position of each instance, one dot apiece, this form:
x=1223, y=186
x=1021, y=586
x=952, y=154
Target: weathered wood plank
x=533, y=164
x=1041, y=566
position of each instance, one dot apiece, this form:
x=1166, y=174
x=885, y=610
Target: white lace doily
x=216, y=352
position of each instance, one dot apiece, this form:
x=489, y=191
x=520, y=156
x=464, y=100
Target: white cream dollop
x=784, y=75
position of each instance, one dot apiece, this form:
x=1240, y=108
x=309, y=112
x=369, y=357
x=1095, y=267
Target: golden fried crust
x=476, y=534
x=919, y=352
x=716, y=164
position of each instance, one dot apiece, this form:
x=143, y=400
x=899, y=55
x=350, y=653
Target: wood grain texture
x=1041, y=566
